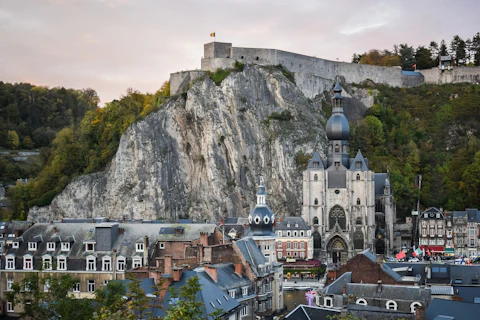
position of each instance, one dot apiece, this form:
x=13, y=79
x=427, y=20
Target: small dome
x=261, y=220
x=338, y=127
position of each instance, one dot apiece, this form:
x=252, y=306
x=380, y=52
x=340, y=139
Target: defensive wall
x=314, y=75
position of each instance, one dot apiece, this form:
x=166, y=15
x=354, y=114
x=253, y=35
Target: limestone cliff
x=202, y=153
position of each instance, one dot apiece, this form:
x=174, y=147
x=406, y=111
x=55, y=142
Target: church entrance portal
x=338, y=250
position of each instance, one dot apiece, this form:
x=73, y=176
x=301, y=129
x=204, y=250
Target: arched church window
x=337, y=148
x=315, y=220
x=337, y=215
x=359, y=220
x=358, y=176
x=358, y=201
x=358, y=240
x=315, y=177
x=317, y=240
x=315, y=202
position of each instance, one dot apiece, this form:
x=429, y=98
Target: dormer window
x=358, y=165
x=65, y=246
x=231, y=293
x=10, y=263
x=244, y=291
x=106, y=263
x=288, y=225
x=50, y=246
x=47, y=262
x=62, y=263
x=137, y=262
x=89, y=246
x=28, y=262
x=15, y=245
x=32, y=246
x=91, y=263
x=139, y=247
x=121, y=264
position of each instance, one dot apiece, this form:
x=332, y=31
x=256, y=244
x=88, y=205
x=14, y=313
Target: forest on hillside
x=432, y=131
x=464, y=52
x=74, y=136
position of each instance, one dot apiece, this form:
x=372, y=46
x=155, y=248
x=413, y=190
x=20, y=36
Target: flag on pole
x=400, y=255
x=212, y=34
x=429, y=252
x=414, y=66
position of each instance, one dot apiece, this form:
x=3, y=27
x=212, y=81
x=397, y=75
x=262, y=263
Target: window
x=432, y=232
x=328, y=302
x=358, y=176
x=424, y=232
x=279, y=233
x=391, y=305
x=28, y=263
x=472, y=242
x=161, y=245
x=89, y=246
x=106, y=264
x=91, y=285
x=10, y=307
x=288, y=245
x=15, y=245
x=47, y=263
x=302, y=233
x=358, y=201
x=50, y=246
x=244, y=311
x=9, y=284
x=32, y=246
x=302, y=254
x=137, y=262
x=139, y=247
x=315, y=177
x=358, y=165
x=266, y=248
x=295, y=245
x=231, y=293
x=279, y=255
x=362, y=302
x=414, y=305
x=121, y=264
x=91, y=265
x=302, y=245
x=288, y=234
x=337, y=148
x=76, y=287
x=61, y=263
x=65, y=246
x=10, y=264
x=294, y=233
x=337, y=163
x=244, y=291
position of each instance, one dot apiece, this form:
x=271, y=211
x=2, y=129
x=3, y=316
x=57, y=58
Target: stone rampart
x=180, y=81
x=456, y=75
x=412, y=81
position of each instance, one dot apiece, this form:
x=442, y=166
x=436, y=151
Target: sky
x=114, y=45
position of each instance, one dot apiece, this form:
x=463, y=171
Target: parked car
x=460, y=261
x=413, y=260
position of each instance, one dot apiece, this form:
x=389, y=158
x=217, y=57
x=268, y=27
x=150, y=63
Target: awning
x=434, y=249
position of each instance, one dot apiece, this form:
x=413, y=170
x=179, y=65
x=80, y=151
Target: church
x=350, y=207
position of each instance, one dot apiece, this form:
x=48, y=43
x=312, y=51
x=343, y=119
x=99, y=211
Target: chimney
x=379, y=286
x=168, y=264
x=204, y=239
x=213, y=272
x=420, y=313
x=177, y=274
x=238, y=269
x=145, y=251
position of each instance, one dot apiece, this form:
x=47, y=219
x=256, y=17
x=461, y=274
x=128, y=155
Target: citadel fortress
x=314, y=75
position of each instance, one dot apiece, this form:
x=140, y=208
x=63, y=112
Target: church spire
x=261, y=193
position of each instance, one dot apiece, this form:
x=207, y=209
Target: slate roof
x=358, y=158
x=288, y=223
x=465, y=273
x=391, y=292
x=456, y=309
x=252, y=254
x=442, y=290
x=380, y=183
x=316, y=158
x=227, y=279
x=468, y=294
x=304, y=312
x=336, y=287
x=210, y=294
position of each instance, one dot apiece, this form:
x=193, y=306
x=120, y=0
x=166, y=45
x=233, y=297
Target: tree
x=475, y=48
x=423, y=58
x=471, y=180
x=13, y=141
x=443, y=51
x=57, y=302
x=27, y=142
x=457, y=48
x=407, y=56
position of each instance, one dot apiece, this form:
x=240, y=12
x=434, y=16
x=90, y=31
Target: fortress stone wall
x=314, y=75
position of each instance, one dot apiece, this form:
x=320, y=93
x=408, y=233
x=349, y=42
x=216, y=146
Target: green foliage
x=86, y=147
x=13, y=141
x=238, y=66
x=429, y=130
x=301, y=159
x=348, y=316
x=286, y=73
x=283, y=116
x=219, y=75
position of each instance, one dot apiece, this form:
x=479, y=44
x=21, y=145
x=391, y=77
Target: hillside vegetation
x=84, y=145
x=428, y=130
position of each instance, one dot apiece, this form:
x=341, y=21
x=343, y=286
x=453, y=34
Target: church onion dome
x=338, y=127
x=261, y=218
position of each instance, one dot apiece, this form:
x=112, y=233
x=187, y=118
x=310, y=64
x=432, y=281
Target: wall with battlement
x=180, y=81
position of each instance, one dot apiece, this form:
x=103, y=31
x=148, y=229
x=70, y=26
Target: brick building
x=294, y=239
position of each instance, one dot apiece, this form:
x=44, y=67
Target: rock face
x=201, y=156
